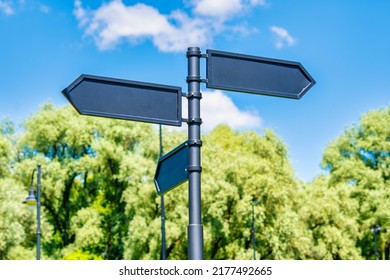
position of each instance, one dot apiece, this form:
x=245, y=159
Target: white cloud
x=80, y=13
x=217, y=108
x=11, y=7
x=217, y=8
x=44, y=9
x=283, y=38
x=187, y=32
x=224, y=8
x=258, y=2
x=114, y=22
x=6, y=8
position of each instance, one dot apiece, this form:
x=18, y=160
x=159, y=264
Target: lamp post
x=254, y=202
x=33, y=200
x=376, y=230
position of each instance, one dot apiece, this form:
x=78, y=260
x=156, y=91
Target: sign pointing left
x=171, y=169
x=124, y=99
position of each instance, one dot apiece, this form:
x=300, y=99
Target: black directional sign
x=252, y=74
x=171, y=169
x=124, y=99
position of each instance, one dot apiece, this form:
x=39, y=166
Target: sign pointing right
x=259, y=75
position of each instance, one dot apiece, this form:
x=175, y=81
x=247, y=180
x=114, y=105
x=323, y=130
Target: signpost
x=259, y=75
x=194, y=168
x=171, y=169
x=124, y=99
x=145, y=102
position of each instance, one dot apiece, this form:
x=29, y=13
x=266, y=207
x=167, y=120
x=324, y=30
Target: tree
x=238, y=168
x=16, y=222
x=360, y=159
x=99, y=199
x=143, y=206
x=82, y=160
x=330, y=217
x=15, y=218
x=6, y=147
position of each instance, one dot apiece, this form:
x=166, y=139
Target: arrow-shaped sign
x=124, y=99
x=259, y=75
x=171, y=169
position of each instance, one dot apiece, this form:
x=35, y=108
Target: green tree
x=127, y=153
x=82, y=160
x=99, y=199
x=16, y=222
x=15, y=219
x=237, y=168
x=143, y=205
x=58, y=141
x=240, y=168
x=330, y=217
x=360, y=159
x=6, y=148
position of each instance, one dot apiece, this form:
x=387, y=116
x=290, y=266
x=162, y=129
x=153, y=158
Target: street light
x=33, y=200
x=376, y=230
x=254, y=202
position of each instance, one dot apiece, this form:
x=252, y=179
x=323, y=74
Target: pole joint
x=194, y=51
x=194, y=121
x=193, y=168
x=194, y=142
x=194, y=94
x=190, y=79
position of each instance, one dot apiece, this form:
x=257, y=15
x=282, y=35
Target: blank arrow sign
x=124, y=99
x=259, y=75
x=171, y=169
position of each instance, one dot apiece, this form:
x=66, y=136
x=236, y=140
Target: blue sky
x=343, y=44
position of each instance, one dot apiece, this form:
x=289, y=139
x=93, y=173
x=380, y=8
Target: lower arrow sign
x=171, y=169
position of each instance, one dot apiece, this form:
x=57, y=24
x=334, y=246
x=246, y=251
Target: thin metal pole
x=376, y=230
x=254, y=202
x=195, y=227
x=163, y=239
x=39, y=212
x=375, y=246
x=253, y=231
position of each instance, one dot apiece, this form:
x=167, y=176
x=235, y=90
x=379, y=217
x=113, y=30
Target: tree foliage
x=99, y=199
x=330, y=218
x=83, y=161
x=360, y=160
x=240, y=168
x=15, y=219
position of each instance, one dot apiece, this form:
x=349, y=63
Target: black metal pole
x=253, y=230
x=163, y=240
x=376, y=230
x=375, y=246
x=39, y=212
x=195, y=227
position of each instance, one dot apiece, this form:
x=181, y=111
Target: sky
x=343, y=44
